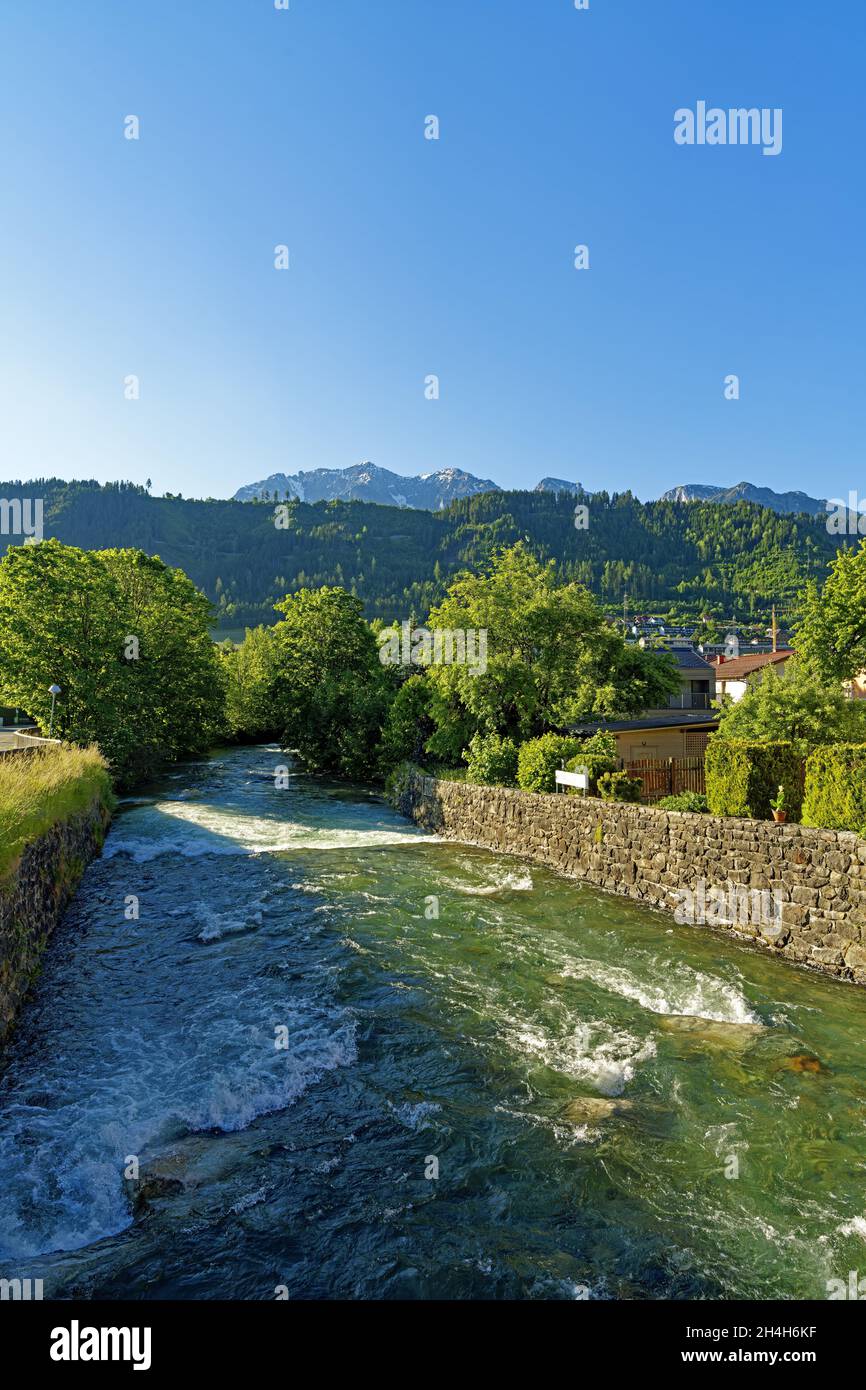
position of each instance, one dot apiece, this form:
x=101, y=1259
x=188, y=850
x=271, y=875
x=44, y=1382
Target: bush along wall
x=539, y=759
x=836, y=787
x=742, y=777
x=491, y=759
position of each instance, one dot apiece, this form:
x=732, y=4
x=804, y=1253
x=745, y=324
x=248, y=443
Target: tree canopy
x=552, y=657
x=330, y=691
x=126, y=639
x=831, y=634
x=696, y=555
x=797, y=706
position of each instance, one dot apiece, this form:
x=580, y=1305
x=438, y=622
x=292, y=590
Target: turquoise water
x=613, y=1103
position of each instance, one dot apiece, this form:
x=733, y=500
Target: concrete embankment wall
x=34, y=895
x=809, y=886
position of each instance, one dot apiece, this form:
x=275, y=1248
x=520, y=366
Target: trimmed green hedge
x=836, y=787
x=742, y=777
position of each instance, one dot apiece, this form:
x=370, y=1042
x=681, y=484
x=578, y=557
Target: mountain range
x=367, y=482
x=786, y=503
x=399, y=559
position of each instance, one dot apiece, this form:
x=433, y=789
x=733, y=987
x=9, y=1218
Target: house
x=658, y=735
x=681, y=728
x=697, y=677
x=733, y=675
x=855, y=688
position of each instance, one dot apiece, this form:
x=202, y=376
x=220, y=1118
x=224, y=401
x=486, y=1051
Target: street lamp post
x=53, y=691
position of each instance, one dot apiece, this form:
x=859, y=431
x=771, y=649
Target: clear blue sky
x=411, y=257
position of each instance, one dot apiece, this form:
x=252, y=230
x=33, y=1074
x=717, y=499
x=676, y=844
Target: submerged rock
x=587, y=1110
x=801, y=1061
x=196, y=1162
x=712, y=1031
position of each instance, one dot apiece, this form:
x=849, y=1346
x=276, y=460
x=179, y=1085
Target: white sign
x=573, y=779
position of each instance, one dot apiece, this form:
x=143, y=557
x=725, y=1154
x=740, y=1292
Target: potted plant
x=780, y=810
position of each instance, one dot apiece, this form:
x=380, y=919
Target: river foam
x=676, y=989
x=195, y=829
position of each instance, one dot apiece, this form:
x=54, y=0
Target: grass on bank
x=39, y=789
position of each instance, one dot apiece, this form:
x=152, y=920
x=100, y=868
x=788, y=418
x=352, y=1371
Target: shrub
x=539, y=759
x=618, y=786
x=491, y=760
x=598, y=755
x=743, y=777
x=836, y=787
x=683, y=801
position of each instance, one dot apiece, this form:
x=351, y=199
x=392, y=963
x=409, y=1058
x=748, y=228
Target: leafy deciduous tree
x=330, y=690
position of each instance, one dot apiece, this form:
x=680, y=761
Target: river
x=331, y=1091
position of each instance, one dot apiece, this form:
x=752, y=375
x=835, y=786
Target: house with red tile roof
x=733, y=674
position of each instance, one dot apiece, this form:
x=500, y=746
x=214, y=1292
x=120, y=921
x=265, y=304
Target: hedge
x=742, y=777
x=598, y=754
x=836, y=787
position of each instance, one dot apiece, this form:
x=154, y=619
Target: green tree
x=330, y=691
x=831, y=634
x=552, y=657
x=126, y=639
x=408, y=725
x=249, y=670
x=797, y=707
x=61, y=624
x=491, y=760
x=172, y=687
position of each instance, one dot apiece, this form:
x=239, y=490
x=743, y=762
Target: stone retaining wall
x=810, y=883
x=34, y=897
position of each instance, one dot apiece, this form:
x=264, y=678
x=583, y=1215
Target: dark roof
x=688, y=659
x=669, y=719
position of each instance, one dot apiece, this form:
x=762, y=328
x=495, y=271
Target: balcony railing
x=690, y=699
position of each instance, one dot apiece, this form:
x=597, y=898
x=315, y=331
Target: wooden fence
x=668, y=776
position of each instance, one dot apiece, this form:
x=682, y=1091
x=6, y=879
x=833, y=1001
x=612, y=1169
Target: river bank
x=617, y=1106
x=55, y=806
x=791, y=889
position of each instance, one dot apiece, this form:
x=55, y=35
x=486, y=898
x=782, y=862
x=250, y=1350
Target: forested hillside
x=733, y=558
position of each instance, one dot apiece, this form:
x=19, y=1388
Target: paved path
x=8, y=737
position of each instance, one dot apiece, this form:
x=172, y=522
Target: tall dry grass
x=41, y=788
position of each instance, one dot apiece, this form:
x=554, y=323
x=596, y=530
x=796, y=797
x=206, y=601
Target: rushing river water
x=614, y=1102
